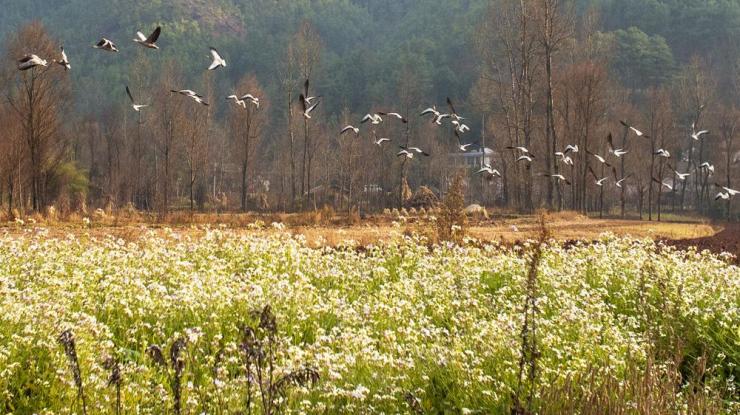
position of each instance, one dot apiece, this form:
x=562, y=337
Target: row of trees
x=546, y=77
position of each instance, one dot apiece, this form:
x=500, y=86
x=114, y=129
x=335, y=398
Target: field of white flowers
x=397, y=328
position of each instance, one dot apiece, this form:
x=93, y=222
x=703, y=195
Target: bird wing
x=428, y=111
x=214, y=54
x=312, y=107
x=154, y=36
x=302, y=100
x=128, y=92
x=141, y=36
x=25, y=58
x=609, y=140
x=593, y=173
x=101, y=43
x=305, y=87
x=452, y=107
x=345, y=129
x=624, y=123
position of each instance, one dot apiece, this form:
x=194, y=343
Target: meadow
x=226, y=322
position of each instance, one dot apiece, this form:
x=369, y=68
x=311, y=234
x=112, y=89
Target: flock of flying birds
x=309, y=104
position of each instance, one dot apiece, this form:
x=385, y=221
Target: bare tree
x=35, y=96
x=555, y=24
x=246, y=126
x=169, y=130
x=728, y=124
x=307, y=49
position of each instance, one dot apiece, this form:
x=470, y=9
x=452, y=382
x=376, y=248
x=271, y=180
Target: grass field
x=151, y=320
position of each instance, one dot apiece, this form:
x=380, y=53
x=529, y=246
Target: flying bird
x=663, y=184
x=565, y=159
x=602, y=160
x=64, y=62
x=635, y=130
x=438, y=119
x=696, y=135
x=30, y=61
x=730, y=192
x=217, y=60
x=106, y=45
x=395, y=114
x=350, y=128
x=520, y=148
x=618, y=152
x=681, y=176
x=430, y=110
x=707, y=167
x=237, y=101
x=380, y=141
x=134, y=105
x=199, y=100
x=460, y=128
x=186, y=92
x=597, y=180
x=559, y=177
x=526, y=158
x=464, y=147
x=722, y=195
x=149, y=42
x=251, y=98
x=191, y=94
x=662, y=153
x=374, y=119
x=308, y=108
x=617, y=181
x=414, y=150
x=453, y=111
x=489, y=171
x=569, y=148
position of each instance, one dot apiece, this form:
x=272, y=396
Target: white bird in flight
x=559, y=177
x=601, y=160
x=308, y=109
x=134, y=105
x=635, y=130
x=569, y=148
x=489, y=171
x=380, y=141
x=395, y=114
x=251, y=98
x=30, y=61
x=350, y=128
x=374, y=119
x=64, y=61
x=696, y=135
x=106, y=45
x=663, y=184
x=681, y=176
x=237, y=101
x=599, y=181
x=217, y=60
x=730, y=192
x=149, y=42
x=663, y=153
x=617, y=181
x=706, y=166
x=414, y=150
x=618, y=152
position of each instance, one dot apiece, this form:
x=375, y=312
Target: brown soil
x=727, y=240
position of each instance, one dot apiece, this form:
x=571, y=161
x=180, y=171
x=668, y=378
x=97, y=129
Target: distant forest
x=539, y=74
